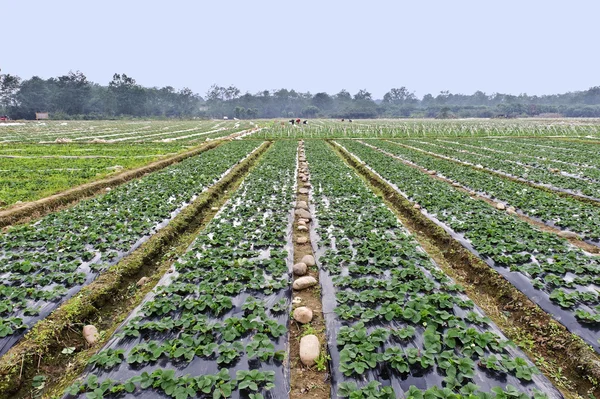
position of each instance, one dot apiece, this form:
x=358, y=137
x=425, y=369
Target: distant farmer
x=298, y=121
x=349, y=120
x=305, y=122
x=292, y=121
x=342, y=119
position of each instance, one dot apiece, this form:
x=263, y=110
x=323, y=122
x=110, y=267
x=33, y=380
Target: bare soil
x=307, y=382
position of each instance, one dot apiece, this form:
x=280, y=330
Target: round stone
x=303, y=213
x=303, y=315
x=90, y=333
x=300, y=269
x=309, y=349
x=309, y=260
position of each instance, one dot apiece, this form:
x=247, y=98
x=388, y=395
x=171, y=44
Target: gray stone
x=303, y=213
x=309, y=260
x=310, y=349
x=302, y=205
x=303, y=315
x=300, y=269
x=304, y=282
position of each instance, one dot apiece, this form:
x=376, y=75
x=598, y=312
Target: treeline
x=72, y=96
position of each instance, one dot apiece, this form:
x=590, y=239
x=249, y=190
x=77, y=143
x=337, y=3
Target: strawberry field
x=363, y=259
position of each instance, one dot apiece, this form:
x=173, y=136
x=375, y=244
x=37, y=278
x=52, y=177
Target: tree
x=129, y=96
x=231, y=92
x=9, y=85
x=73, y=93
x=215, y=93
x=363, y=95
x=34, y=95
x=311, y=111
x=343, y=96
x=322, y=101
x=399, y=96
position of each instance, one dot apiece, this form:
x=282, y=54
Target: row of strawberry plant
x=530, y=173
x=570, y=153
x=561, y=278
x=519, y=155
x=45, y=262
x=218, y=323
x=105, y=130
x=552, y=209
x=396, y=317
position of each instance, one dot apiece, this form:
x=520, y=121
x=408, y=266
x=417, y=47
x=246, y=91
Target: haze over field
x=534, y=47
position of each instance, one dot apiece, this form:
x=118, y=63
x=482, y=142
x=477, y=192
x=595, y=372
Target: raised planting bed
x=554, y=180
x=46, y=262
x=217, y=325
x=540, y=204
x=397, y=326
x=560, y=278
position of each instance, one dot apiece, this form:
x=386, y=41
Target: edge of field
x=27, y=211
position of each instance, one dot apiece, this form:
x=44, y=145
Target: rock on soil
x=300, y=269
x=304, y=282
x=417, y=206
x=303, y=190
x=303, y=213
x=142, y=281
x=309, y=349
x=500, y=206
x=90, y=333
x=309, y=260
x=302, y=205
x=302, y=228
x=303, y=315
x=432, y=172
x=302, y=240
x=567, y=234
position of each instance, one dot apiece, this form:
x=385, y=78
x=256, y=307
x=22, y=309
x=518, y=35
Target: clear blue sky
x=526, y=46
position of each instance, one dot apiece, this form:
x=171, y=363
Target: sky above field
x=533, y=46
